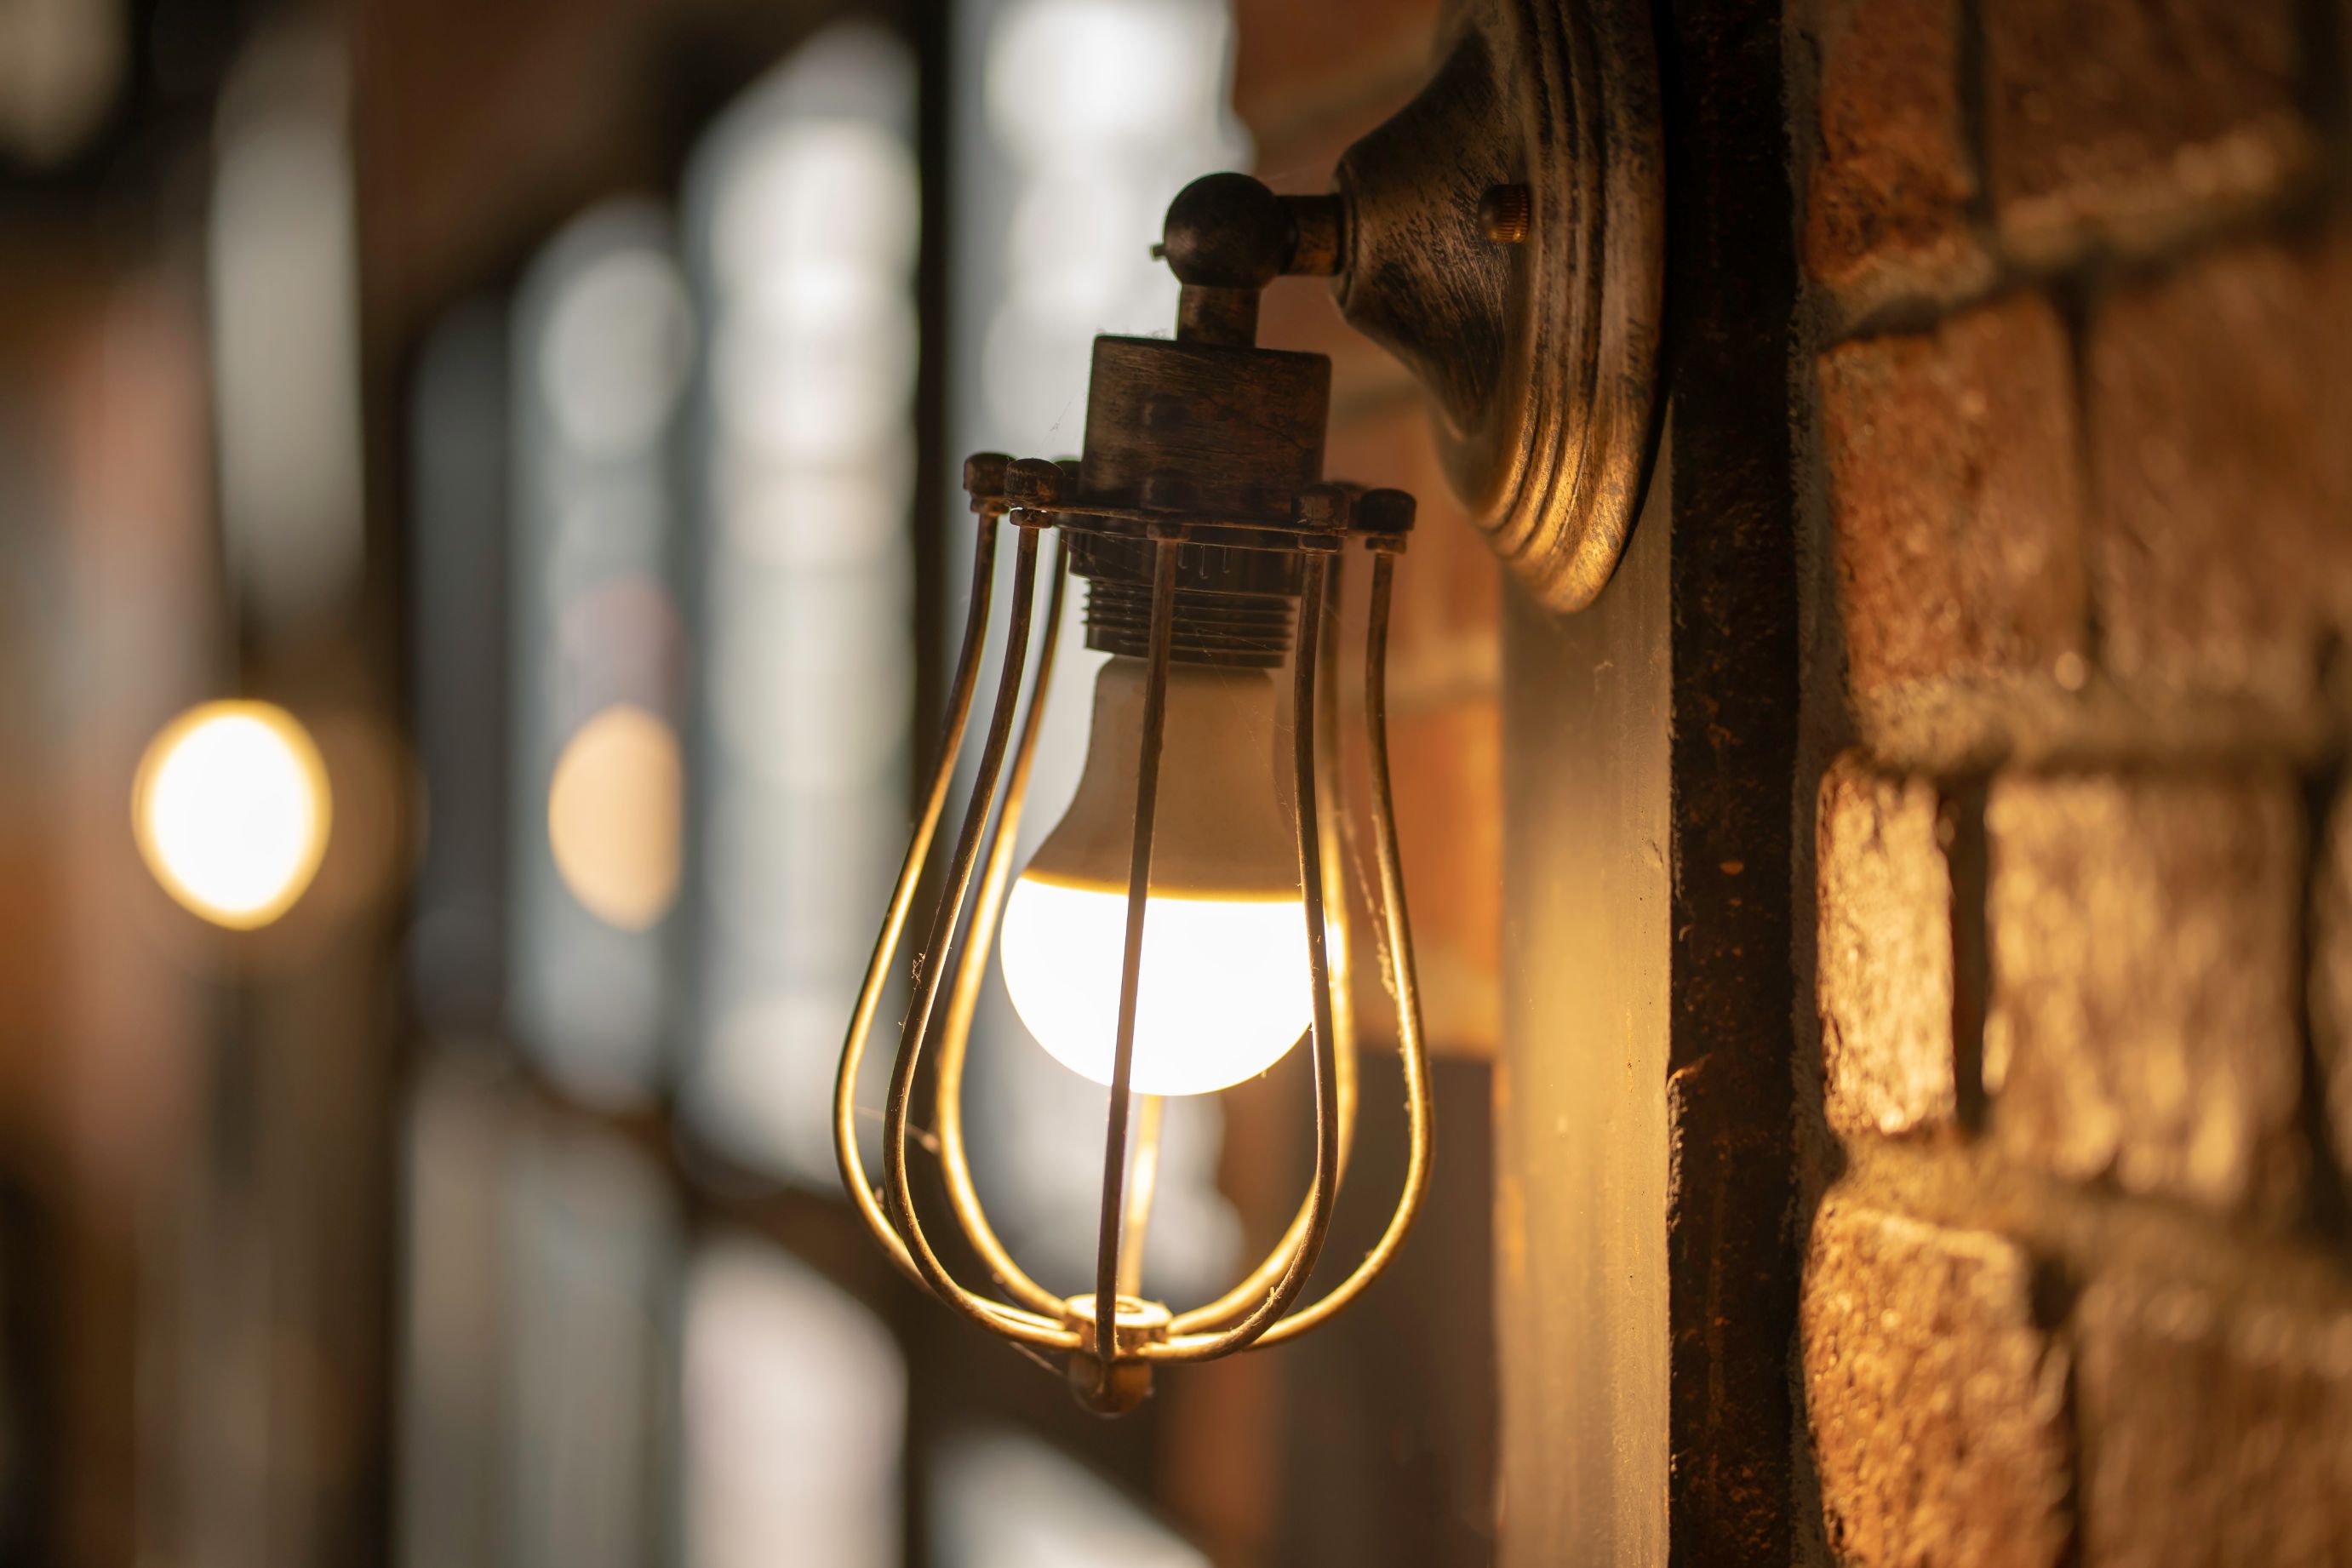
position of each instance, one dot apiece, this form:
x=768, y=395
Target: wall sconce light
x=1173, y=934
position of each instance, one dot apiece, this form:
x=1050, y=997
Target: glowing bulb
x=231, y=811
x=1225, y=988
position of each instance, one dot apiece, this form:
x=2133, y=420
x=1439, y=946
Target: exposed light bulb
x=1225, y=986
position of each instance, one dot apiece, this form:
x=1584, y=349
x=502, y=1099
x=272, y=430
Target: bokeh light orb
x=231, y=811
x=614, y=808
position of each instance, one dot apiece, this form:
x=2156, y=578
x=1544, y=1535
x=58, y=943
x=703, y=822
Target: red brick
x=1937, y=1402
x=1885, y=955
x=2142, y=1024
x=2212, y=1433
x=1888, y=206
x=2131, y=120
x=2331, y=976
x=1954, y=499
x=2220, y=399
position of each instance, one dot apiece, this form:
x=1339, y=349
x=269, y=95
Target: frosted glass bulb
x=1224, y=986
x=1226, y=989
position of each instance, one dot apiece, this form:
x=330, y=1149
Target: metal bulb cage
x=1111, y=1370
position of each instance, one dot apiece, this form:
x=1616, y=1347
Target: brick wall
x=1311, y=76
x=2077, y=1276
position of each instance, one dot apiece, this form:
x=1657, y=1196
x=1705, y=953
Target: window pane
x=794, y=1418
x=602, y=349
x=591, y=1253
x=284, y=281
x=456, y=1175
x=541, y=1261
x=460, y=479
x=804, y=213
x=1001, y=1500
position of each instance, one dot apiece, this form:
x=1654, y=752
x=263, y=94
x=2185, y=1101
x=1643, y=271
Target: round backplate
x=1540, y=357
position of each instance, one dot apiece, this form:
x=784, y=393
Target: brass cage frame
x=1262, y=1309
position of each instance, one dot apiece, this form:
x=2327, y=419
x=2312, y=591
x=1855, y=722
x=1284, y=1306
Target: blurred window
x=1000, y=1499
x=802, y=214
x=454, y=1179
x=604, y=347
x=283, y=272
x=61, y=70
x=593, y=1255
x=793, y=1397
x=668, y=486
x=541, y=1258
x=460, y=483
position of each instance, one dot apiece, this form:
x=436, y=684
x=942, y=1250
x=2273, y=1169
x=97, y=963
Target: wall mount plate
x=1540, y=355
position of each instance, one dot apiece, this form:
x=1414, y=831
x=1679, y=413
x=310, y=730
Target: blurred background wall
x=552, y=411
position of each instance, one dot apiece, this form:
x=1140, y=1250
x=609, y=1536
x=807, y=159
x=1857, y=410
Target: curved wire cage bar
x=1110, y=1369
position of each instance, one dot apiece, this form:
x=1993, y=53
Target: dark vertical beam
x=1730, y=291
x=931, y=30
x=1645, y=1279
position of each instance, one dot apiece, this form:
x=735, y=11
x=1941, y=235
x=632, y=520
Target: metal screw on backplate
x=1507, y=213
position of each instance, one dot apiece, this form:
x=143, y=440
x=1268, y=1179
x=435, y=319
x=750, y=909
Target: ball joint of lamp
x=1182, y=928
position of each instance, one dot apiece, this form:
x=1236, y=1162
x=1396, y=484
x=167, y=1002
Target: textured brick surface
x=1937, y=1402
x=2213, y=1434
x=2092, y=544
x=2133, y=119
x=1885, y=960
x=2222, y=550
x=1887, y=207
x=2143, y=1017
x=2331, y=975
x=1955, y=500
